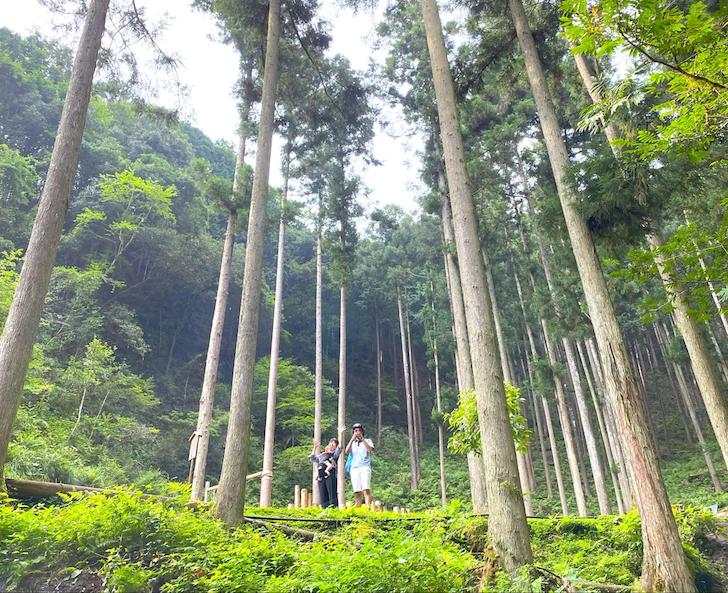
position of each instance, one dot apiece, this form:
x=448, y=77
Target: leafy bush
x=139, y=543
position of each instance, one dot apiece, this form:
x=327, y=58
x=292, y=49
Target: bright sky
x=208, y=71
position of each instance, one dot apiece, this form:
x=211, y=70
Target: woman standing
x=326, y=472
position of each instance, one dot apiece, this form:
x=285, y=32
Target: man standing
x=361, y=465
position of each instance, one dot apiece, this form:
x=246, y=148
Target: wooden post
x=296, y=496
x=304, y=498
x=207, y=489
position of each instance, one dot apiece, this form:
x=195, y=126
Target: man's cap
x=357, y=425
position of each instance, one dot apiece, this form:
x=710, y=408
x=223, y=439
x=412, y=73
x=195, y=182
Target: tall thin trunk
x=571, y=454
x=438, y=401
x=534, y=356
x=669, y=365
x=207, y=396
x=230, y=499
x=555, y=454
x=507, y=525
x=408, y=393
x=21, y=325
x=602, y=429
x=377, y=330
x=266, y=480
x=204, y=415
x=723, y=365
x=664, y=565
x=579, y=438
x=507, y=377
x=476, y=469
x=341, y=411
x=591, y=443
x=414, y=388
x=687, y=401
x=714, y=295
x=624, y=476
x=319, y=371
x=701, y=362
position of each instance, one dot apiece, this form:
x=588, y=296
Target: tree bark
x=319, y=370
x=204, y=414
x=624, y=476
x=571, y=454
x=438, y=402
x=534, y=356
x=687, y=401
x=230, y=498
x=591, y=443
x=207, y=396
x=377, y=329
x=507, y=377
x=21, y=325
x=476, y=469
x=664, y=566
x=602, y=430
x=266, y=481
x=408, y=393
x=507, y=524
x=341, y=408
x=701, y=362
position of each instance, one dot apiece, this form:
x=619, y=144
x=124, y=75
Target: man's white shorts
x=361, y=478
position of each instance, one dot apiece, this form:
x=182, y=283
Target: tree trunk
x=319, y=371
x=476, y=469
x=571, y=454
x=687, y=401
x=534, y=356
x=700, y=360
x=341, y=410
x=664, y=566
x=377, y=329
x=602, y=430
x=672, y=376
x=414, y=395
x=555, y=454
x=507, y=377
x=579, y=432
x=624, y=476
x=207, y=396
x=266, y=480
x=507, y=524
x=408, y=393
x=21, y=325
x=438, y=402
x=204, y=414
x=591, y=443
x=230, y=498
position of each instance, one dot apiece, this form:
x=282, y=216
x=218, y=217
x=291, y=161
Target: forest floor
x=127, y=543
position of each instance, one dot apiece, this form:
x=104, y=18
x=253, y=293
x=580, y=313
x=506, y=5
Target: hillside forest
x=538, y=352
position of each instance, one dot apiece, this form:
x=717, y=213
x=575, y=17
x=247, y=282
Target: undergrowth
x=142, y=544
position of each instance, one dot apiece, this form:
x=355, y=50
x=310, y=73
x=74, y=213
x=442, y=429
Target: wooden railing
x=210, y=490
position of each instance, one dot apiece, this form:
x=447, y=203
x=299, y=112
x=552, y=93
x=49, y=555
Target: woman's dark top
x=320, y=460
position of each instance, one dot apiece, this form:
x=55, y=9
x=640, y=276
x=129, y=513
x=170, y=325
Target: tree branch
x=675, y=67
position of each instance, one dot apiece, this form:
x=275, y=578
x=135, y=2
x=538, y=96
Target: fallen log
x=577, y=585
x=37, y=489
x=40, y=489
x=305, y=534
